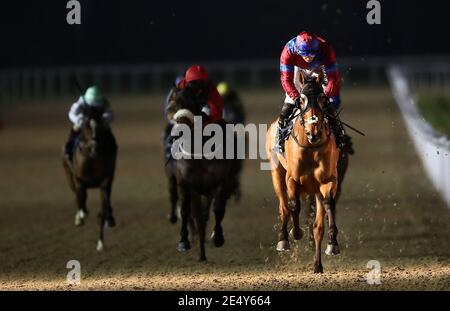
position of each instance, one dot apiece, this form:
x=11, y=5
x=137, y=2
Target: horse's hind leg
x=279, y=185
x=294, y=208
x=342, y=170
x=318, y=234
x=173, y=192
x=81, y=196
x=309, y=204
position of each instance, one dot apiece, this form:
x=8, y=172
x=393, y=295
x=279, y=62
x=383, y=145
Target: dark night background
x=36, y=32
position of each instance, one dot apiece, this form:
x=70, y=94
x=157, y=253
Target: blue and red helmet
x=307, y=44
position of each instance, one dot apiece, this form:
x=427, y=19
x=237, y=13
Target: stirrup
x=279, y=148
x=280, y=140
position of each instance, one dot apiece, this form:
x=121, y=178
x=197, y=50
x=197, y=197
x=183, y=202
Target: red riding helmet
x=196, y=72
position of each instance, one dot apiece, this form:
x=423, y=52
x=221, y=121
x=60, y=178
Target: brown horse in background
x=199, y=182
x=93, y=166
x=310, y=167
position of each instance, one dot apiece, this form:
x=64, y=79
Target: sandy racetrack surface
x=388, y=212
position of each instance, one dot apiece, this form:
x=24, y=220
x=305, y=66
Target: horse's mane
x=193, y=95
x=93, y=113
x=312, y=87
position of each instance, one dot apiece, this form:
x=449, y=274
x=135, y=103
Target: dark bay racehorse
x=312, y=166
x=93, y=166
x=198, y=183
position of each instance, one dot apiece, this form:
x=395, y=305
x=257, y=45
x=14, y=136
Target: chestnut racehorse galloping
x=310, y=167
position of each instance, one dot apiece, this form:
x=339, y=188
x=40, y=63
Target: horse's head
x=187, y=103
x=92, y=131
x=313, y=100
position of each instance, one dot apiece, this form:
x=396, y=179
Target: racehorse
x=198, y=182
x=93, y=166
x=309, y=167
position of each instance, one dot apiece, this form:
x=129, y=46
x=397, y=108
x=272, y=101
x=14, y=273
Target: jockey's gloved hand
x=297, y=103
x=80, y=122
x=206, y=111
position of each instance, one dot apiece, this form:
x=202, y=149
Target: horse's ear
x=304, y=101
x=172, y=107
x=301, y=77
x=320, y=77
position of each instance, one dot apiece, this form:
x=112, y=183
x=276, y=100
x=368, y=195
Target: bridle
x=89, y=146
x=314, y=119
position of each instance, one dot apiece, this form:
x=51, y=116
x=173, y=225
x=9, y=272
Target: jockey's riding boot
x=168, y=141
x=68, y=149
x=283, y=123
x=336, y=126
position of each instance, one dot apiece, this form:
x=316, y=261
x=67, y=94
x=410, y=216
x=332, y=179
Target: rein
x=311, y=146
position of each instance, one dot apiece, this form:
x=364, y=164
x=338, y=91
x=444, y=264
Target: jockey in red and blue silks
x=309, y=53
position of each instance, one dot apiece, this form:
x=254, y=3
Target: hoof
x=296, y=234
x=318, y=268
x=184, y=246
x=332, y=250
x=202, y=259
x=172, y=218
x=79, y=221
x=110, y=222
x=218, y=239
x=283, y=246
x=79, y=218
x=99, y=246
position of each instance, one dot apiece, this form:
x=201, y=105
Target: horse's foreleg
x=202, y=215
x=81, y=196
x=105, y=217
x=106, y=204
x=318, y=234
x=184, y=244
x=330, y=207
x=219, y=213
x=294, y=207
x=279, y=185
x=173, y=192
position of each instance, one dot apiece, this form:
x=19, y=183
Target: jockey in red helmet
x=308, y=53
x=197, y=74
